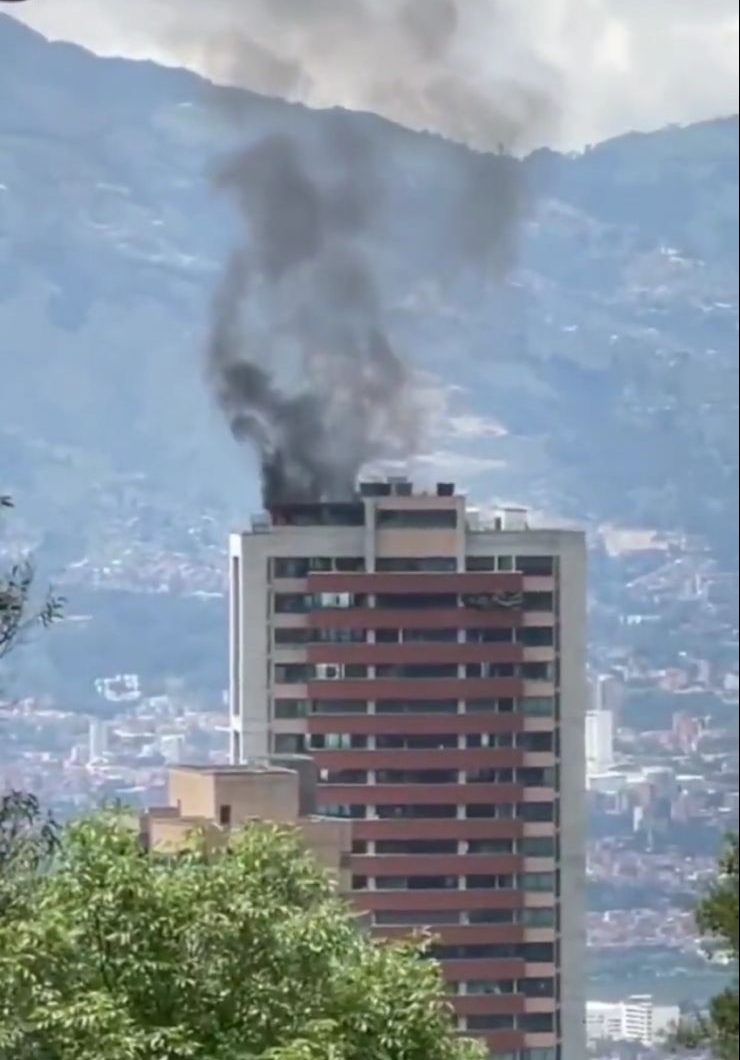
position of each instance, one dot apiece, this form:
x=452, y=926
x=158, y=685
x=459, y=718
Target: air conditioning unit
x=329, y=671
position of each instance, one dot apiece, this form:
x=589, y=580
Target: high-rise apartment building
x=435, y=670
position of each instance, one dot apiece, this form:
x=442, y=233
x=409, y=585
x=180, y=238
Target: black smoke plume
x=300, y=360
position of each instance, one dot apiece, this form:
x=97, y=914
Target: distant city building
x=637, y=1019
x=599, y=741
x=172, y=748
x=123, y=688
x=98, y=737
x=607, y=693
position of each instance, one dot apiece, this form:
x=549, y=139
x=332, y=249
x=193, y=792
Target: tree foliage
x=717, y=918
x=16, y=618
x=242, y=955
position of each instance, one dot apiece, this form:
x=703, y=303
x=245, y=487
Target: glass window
x=291, y=708
x=539, y=602
x=417, y=519
x=490, y=846
x=480, y=563
x=537, y=846
x=489, y=776
x=409, y=918
x=491, y=916
x=536, y=987
x=490, y=1023
x=422, y=741
x=537, y=811
x=292, y=603
x=500, y=810
x=495, y=635
x=538, y=917
x=436, y=564
x=419, y=706
x=416, y=883
x=419, y=671
x=505, y=563
x=407, y=811
x=415, y=601
x=538, y=706
x=490, y=986
x=485, y=882
x=538, y=881
x=349, y=564
x=339, y=706
x=343, y=776
x=416, y=776
x=540, y=566
x=290, y=744
x=537, y=1022
x=416, y=846
x=536, y=636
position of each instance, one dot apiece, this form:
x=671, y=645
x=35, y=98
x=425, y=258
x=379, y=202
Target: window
x=415, y=601
x=537, y=846
x=536, y=741
x=419, y=706
x=290, y=744
x=337, y=741
x=490, y=776
x=419, y=671
x=490, y=1023
x=491, y=916
x=290, y=638
x=505, y=563
x=488, y=670
x=338, y=601
x=489, y=706
x=497, y=811
x=538, y=952
x=420, y=742
x=344, y=776
x=504, y=601
x=293, y=673
x=291, y=708
x=224, y=815
x=480, y=563
x=480, y=952
x=536, y=777
x=349, y=564
x=538, y=706
x=536, y=636
x=429, y=636
x=539, y=566
x=432, y=564
x=417, y=519
x=359, y=883
x=538, y=671
x=537, y=811
x=488, y=882
x=405, y=811
x=416, y=776
x=490, y=846
x=538, y=917
x=352, y=812
x=539, y=602
x=504, y=635
x=294, y=567
x=537, y=1022
x=536, y=987
x=489, y=739
x=538, y=881
x=292, y=603
x=339, y=706
x=359, y=846
x=541, y=1054
x=416, y=846
x=339, y=636
x=355, y=670
x=408, y=918
x=416, y=883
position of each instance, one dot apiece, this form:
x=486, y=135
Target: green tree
x=16, y=615
x=717, y=918
x=28, y=839
x=241, y=955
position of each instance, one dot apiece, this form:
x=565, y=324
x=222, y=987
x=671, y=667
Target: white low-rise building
x=635, y=1019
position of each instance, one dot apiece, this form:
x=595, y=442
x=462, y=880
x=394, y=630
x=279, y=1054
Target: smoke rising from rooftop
x=301, y=357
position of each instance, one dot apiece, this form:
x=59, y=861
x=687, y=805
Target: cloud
x=609, y=65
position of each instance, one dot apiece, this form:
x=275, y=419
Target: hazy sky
x=567, y=72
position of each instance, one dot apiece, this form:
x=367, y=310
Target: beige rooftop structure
x=219, y=800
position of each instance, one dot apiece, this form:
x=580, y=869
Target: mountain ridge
x=612, y=336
